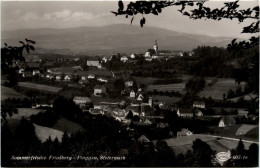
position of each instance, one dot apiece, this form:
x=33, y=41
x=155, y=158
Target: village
x=150, y=108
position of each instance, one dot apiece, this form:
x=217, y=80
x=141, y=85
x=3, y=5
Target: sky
x=68, y=14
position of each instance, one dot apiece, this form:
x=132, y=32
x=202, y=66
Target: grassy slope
x=10, y=93
x=219, y=88
x=39, y=87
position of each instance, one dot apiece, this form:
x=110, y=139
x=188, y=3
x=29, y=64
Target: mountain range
x=111, y=39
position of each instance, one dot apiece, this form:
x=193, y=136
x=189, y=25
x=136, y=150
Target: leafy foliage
x=10, y=56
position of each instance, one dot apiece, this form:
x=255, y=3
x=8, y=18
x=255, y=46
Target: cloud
x=64, y=15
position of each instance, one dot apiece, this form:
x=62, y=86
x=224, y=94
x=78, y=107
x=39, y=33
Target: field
x=66, y=125
x=43, y=133
x=170, y=87
x=244, y=129
x=7, y=92
x=183, y=144
x=221, y=87
x=25, y=112
x=39, y=87
x=71, y=70
x=145, y=81
x=248, y=132
x=246, y=97
x=167, y=99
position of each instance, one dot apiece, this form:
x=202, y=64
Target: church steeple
x=155, y=47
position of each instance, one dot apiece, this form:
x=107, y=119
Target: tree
x=202, y=153
x=129, y=115
x=10, y=56
x=230, y=10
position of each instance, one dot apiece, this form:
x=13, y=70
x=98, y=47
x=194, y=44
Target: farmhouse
x=102, y=79
x=124, y=59
x=140, y=97
x=91, y=76
x=27, y=74
x=58, y=77
x=35, y=72
x=21, y=71
x=143, y=139
x=95, y=111
x=227, y=121
x=50, y=76
x=199, y=104
x=184, y=132
x=100, y=89
x=68, y=77
x=181, y=112
x=93, y=61
x=129, y=83
x=82, y=102
x=198, y=113
x=132, y=94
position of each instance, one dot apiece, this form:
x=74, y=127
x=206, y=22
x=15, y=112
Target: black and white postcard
x=130, y=83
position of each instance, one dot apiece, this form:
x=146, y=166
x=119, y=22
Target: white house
x=199, y=104
x=124, y=59
x=101, y=79
x=99, y=89
x=132, y=56
x=91, y=76
x=184, y=132
x=129, y=83
x=68, y=77
x=226, y=121
x=140, y=97
x=21, y=71
x=58, y=77
x=35, y=72
x=132, y=94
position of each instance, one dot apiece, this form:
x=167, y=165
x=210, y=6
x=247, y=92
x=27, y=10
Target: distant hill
x=111, y=39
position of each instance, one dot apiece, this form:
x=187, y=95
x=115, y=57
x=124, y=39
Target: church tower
x=155, y=47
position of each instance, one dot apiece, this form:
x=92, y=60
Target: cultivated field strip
x=39, y=87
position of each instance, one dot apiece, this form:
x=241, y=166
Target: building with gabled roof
x=184, y=132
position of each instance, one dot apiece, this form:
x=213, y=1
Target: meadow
x=44, y=88
x=7, y=92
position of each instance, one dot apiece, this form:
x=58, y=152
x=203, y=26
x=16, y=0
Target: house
x=132, y=94
x=27, y=74
x=84, y=77
x=21, y=71
x=243, y=112
x=198, y=113
x=132, y=56
x=129, y=83
x=143, y=139
x=58, y=77
x=100, y=89
x=140, y=97
x=184, y=132
x=198, y=104
x=78, y=68
x=91, y=76
x=102, y=79
x=227, y=121
x=68, y=77
x=95, y=111
x=124, y=59
x=83, y=82
x=104, y=59
x=149, y=52
x=82, y=102
x=162, y=125
x=35, y=72
x=148, y=59
x=181, y=112
x=93, y=61
x=50, y=76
